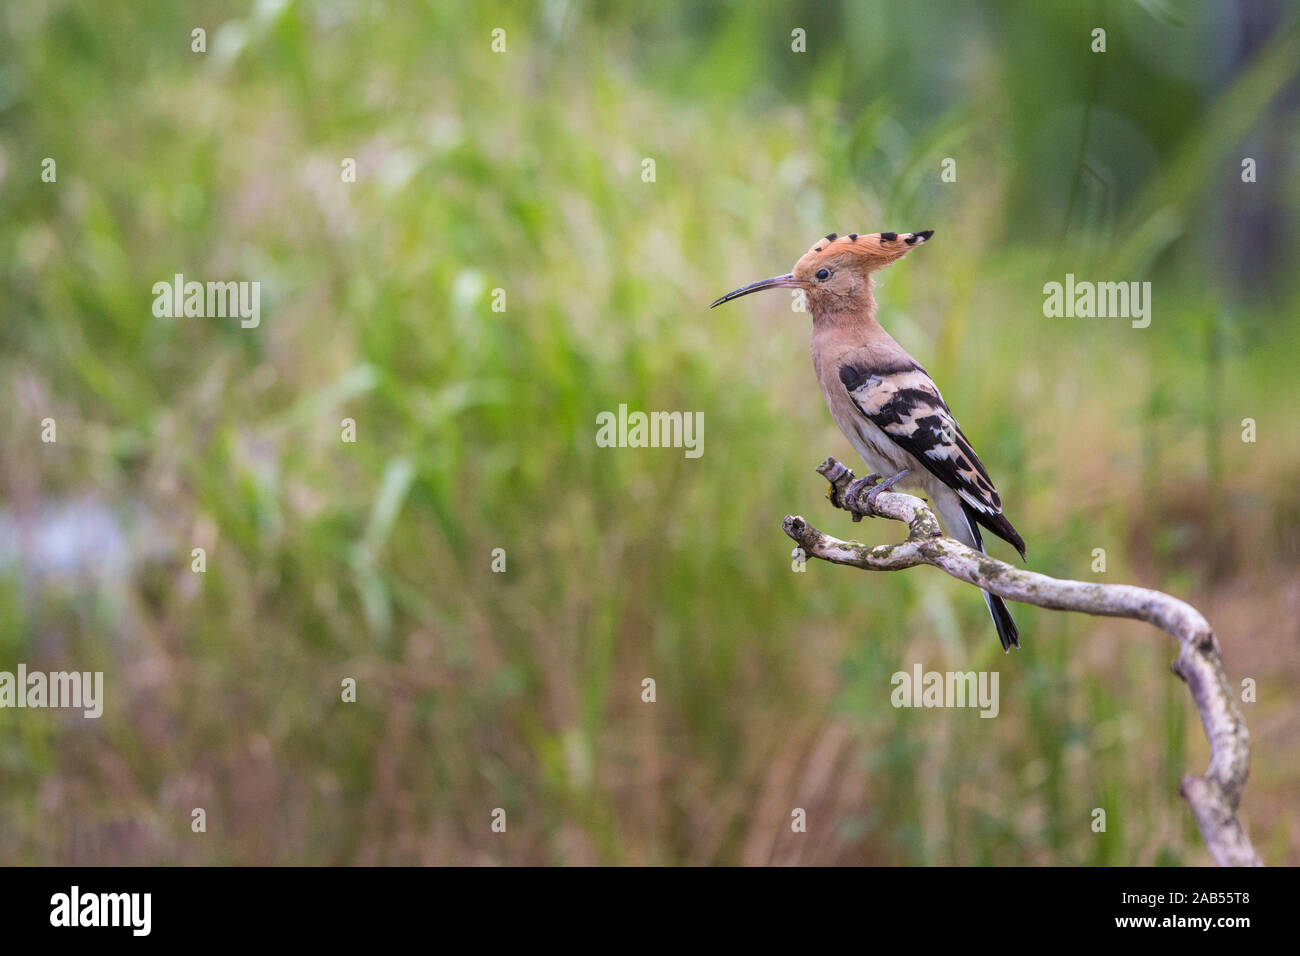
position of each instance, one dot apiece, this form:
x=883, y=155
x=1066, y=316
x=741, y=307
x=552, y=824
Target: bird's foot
x=868, y=503
x=885, y=486
x=853, y=494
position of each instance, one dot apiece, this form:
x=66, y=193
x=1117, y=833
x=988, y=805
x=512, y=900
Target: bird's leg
x=854, y=491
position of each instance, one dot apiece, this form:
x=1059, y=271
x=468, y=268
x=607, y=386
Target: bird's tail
x=1008, y=633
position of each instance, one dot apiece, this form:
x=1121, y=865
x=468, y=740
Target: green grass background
x=476, y=429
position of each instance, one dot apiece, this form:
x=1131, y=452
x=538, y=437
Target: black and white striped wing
x=907, y=407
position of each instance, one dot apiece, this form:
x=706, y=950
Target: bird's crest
x=869, y=251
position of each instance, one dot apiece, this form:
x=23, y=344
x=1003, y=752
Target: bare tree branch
x=1213, y=797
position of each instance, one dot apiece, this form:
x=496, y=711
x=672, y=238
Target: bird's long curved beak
x=787, y=281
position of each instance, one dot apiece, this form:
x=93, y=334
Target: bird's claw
x=868, y=504
x=885, y=486
x=853, y=493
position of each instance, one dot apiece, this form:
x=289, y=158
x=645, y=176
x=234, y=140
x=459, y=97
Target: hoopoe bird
x=884, y=401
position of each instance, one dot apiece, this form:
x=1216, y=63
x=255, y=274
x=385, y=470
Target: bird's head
x=836, y=272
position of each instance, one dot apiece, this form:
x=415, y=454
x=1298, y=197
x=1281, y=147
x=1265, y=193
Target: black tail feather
x=1000, y=526
x=1008, y=633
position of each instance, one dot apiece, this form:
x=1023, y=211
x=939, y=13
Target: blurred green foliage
x=522, y=171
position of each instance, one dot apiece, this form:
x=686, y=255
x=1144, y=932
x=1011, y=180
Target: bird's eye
x=823, y=274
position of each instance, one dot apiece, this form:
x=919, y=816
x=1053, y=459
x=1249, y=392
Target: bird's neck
x=848, y=316
x=852, y=332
